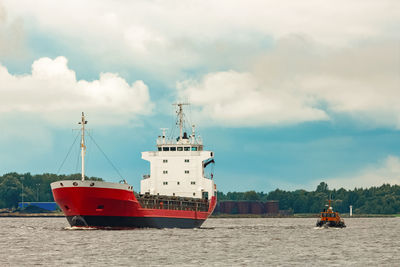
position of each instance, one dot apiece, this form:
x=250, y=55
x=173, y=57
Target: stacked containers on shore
x=257, y=207
x=272, y=207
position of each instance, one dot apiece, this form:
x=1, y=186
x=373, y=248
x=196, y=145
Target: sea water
x=220, y=242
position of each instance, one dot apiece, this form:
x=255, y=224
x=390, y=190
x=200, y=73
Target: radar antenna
x=180, y=117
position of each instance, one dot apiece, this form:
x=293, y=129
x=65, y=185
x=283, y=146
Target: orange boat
x=329, y=218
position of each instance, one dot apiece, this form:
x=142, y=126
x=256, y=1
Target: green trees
x=33, y=188
x=375, y=200
x=322, y=188
x=10, y=191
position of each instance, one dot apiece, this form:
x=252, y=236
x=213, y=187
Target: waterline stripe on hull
x=133, y=222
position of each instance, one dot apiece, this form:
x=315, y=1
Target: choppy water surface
x=226, y=242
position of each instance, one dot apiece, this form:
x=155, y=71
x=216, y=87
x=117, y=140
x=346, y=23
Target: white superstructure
x=177, y=167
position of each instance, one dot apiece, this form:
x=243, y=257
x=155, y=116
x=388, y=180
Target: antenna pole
x=180, y=117
x=83, y=146
x=163, y=134
x=193, y=133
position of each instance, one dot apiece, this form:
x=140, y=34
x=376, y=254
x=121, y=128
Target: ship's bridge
x=178, y=167
x=179, y=147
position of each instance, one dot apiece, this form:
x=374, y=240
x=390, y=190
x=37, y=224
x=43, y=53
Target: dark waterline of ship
x=220, y=242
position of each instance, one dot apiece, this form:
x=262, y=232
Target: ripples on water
x=226, y=242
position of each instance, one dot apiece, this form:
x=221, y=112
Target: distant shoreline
x=301, y=215
x=216, y=216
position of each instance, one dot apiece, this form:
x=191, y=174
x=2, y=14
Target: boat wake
x=79, y=228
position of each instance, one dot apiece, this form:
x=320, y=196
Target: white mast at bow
x=83, y=146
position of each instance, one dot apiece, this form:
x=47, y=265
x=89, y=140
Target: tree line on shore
x=384, y=199
x=14, y=187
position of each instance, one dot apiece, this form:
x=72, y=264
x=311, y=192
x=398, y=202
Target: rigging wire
x=87, y=154
x=69, y=151
x=104, y=154
x=189, y=117
x=188, y=125
x=173, y=128
x=77, y=163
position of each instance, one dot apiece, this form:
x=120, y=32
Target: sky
x=286, y=93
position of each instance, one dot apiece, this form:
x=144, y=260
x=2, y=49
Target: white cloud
x=302, y=80
x=387, y=171
x=234, y=98
x=209, y=19
x=12, y=36
x=173, y=35
x=53, y=92
x=297, y=61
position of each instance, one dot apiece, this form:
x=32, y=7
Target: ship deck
x=148, y=201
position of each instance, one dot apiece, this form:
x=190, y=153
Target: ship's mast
x=180, y=118
x=83, y=146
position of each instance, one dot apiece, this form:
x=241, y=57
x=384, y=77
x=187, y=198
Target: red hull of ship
x=111, y=207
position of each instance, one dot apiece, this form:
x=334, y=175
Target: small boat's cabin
x=330, y=215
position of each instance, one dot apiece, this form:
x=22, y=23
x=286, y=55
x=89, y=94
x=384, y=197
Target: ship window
x=180, y=148
x=100, y=207
x=192, y=182
x=194, y=148
x=165, y=172
x=165, y=148
x=187, y=148
x=159, y=148
x=186, y=171
x=173, y=148
x=165, y=183
x=194, y=194
x=173, y=194
x=186, y=160
x=211, y=154
x=165, y=161
x=178, y=183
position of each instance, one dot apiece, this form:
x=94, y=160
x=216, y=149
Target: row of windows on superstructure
x=166, y=171
x=179, y=148
x=178, y=183
x=166, y=161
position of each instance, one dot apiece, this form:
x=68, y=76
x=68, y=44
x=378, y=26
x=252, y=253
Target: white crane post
x=83, y=147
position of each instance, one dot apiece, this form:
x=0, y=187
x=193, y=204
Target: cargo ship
x=179, y=191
